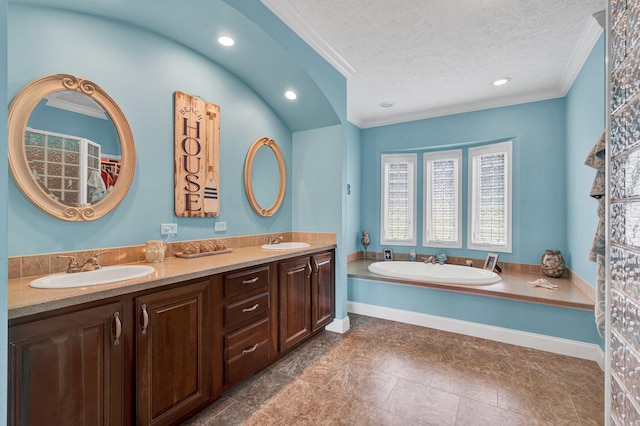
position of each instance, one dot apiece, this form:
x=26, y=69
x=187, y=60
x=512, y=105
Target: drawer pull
x=145, y=319
x=116, y=317
x=251, y=309
x=251, y=281
x=251, y=349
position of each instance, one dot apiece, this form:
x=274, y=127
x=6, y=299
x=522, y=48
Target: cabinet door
x=172, y=349
x=68, y=370
x=322, y=290
x=294, y=302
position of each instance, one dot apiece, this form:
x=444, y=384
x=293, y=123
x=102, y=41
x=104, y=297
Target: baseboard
x=339, y=325
x=557, y=345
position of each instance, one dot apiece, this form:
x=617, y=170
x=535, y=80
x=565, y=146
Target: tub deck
x=512, y=287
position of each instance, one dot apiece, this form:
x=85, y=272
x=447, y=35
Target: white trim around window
x=442, y=216
x=398, y=199
x=490, y=197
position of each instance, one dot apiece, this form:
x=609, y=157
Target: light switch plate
x=220, y=226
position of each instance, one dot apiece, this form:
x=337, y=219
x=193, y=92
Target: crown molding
x=581, y=52
x=285, y=10
x=55, y=102
x=456, y=109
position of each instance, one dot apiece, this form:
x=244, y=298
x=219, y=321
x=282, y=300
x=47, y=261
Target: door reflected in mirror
x=72, y=148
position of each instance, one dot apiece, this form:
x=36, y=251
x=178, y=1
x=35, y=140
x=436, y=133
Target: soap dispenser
x=412, y=255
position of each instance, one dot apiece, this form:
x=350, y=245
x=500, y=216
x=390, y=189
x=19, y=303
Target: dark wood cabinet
x=157, y=356
x=306, y=297
x=172, y=353
x=68, y=370
x=244, y=322
x=322, y=290
x=294, y=287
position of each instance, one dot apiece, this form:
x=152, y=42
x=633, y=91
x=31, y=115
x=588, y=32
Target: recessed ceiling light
x=226, y=41
x=501, y=81
x=386, y=104
x=291, y=95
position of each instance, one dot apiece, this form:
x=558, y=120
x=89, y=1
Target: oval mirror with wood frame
x=71, y=150
x=248, y=176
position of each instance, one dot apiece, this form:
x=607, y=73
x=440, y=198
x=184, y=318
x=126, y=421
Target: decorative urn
x=553, y=264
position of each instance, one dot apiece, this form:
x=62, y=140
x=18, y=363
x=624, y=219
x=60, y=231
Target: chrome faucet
x=275, y=240
x=91, y=264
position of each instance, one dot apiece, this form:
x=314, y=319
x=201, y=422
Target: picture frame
x=491, y=261
x=387, y=254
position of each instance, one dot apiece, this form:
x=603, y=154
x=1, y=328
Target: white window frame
x=428, y=160
x=411, y=159
x=473, y=207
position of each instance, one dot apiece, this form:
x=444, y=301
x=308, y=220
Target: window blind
x=491, y=210
x=398, y=208
x=442, y=209
x=442, y=197
x=398, y=198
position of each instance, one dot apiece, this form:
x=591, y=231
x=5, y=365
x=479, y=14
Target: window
x=442, y=198
x=490, y=197
x=398, y=199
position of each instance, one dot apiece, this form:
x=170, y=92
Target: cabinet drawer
x=251, y=307
x=246, y=281
x=246, y=351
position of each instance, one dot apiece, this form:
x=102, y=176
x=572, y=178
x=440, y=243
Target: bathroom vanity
x=156, y=350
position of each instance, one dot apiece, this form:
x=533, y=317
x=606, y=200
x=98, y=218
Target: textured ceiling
x=434, y=57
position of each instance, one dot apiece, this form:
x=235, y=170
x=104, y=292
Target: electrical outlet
x=169, y=229
x=220, y=226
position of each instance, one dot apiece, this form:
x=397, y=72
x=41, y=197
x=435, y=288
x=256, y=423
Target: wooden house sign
x=197, y=156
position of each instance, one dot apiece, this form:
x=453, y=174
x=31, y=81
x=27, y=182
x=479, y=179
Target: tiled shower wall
x=624, y=213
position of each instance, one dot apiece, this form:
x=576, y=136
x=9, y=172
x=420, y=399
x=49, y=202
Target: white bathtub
x=437, y=274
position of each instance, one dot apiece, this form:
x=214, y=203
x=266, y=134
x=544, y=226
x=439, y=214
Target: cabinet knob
x=251, y=281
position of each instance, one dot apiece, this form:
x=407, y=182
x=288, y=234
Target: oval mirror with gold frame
x=27, y=177
x=248, y=178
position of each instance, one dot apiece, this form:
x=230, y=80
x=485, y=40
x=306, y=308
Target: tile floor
x=387, y=373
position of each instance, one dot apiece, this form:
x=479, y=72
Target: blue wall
x=585, y=124
x=572, y=324
x=352, y=238
x=4, y=176
x=537, y=130
x=140, y=71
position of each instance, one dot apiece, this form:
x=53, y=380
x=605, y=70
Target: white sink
x=108, y=274
x=285, y=246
